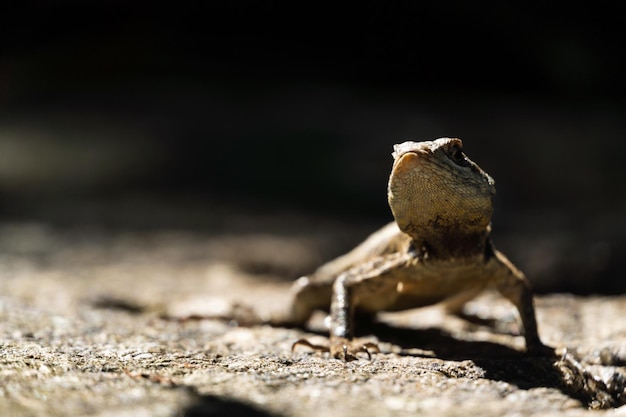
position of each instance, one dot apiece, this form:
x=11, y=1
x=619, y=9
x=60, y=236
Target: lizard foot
x=596, y=392
x=342, y=348
x=348, y=350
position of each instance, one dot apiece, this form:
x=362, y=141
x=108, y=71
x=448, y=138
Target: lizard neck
x=447, y=246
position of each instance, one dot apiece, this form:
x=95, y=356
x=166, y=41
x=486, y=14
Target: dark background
x=126, y=114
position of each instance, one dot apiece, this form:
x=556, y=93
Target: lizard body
x=438, y=249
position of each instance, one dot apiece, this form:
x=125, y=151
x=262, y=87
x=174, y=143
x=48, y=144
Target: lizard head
x=436, y=191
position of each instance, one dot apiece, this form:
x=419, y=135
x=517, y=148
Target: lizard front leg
x=378, y=277
x=514, y=286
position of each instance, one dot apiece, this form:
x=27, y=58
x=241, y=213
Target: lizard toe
x=351, y=350
x=305, y=342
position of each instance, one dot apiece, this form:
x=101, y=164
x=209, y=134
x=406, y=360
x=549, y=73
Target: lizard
x=437, y=249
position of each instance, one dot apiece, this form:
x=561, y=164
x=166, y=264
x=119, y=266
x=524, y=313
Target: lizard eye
x=458, y=157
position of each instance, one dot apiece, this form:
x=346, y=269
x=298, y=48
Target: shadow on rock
x=213, y=406
x=502, y=363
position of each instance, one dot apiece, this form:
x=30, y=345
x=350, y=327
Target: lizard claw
x=341, y=348
x=348, y=350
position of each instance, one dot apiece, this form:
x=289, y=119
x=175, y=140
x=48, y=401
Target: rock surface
x=103, y=323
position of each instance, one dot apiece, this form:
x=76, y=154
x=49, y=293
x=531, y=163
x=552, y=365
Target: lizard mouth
x=407, y=158
x=418, y=164
x=402, y=149
x=406, y=162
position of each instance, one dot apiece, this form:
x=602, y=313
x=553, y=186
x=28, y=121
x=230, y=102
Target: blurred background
x=279, y=117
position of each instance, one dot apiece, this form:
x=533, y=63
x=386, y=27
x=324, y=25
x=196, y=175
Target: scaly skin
x=438, y=249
